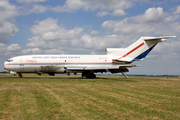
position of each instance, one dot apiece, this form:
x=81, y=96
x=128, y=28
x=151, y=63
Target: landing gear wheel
x=88, y=75
x=91, y=76
x=51, y=74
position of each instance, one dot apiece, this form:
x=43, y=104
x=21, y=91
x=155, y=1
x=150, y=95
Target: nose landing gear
x=19, y=75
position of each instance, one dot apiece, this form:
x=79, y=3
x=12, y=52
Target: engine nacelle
x=115, y=51
x=52, y=69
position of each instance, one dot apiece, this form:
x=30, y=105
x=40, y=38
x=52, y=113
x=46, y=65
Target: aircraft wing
x=111, y=68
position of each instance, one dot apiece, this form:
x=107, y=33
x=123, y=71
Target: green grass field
x=103, y=98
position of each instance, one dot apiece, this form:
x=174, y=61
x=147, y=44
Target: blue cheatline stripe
x=144, y=54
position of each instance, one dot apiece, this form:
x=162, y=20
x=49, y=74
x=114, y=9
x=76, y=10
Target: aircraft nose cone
x=5, y=66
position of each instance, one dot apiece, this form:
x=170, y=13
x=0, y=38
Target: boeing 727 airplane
x=116, y=60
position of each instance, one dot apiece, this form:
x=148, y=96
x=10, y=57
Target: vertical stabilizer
x=138, y=50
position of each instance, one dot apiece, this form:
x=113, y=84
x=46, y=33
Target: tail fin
x=138, y=50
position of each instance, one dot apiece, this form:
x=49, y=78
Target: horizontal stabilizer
x=158, y=39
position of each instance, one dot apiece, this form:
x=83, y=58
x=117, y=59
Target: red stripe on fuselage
x=131, y=51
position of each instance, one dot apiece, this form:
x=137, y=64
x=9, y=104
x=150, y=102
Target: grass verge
x=45, y=97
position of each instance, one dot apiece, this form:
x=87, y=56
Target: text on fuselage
x=31, y=61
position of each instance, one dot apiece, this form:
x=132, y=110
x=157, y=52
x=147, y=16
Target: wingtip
x=171, y=36
x=166, y=37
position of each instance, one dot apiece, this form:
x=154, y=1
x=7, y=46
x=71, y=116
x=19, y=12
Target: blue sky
x=90, y=26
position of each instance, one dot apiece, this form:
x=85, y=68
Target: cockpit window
x=9, y=60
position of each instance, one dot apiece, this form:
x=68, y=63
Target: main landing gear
x=88, y=75
x=51, y=74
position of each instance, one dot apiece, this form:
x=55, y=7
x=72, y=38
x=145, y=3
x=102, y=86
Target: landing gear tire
x=88, y=75
x=39, y=74
x=91, y=76
x=83, y=74
x=51, y=74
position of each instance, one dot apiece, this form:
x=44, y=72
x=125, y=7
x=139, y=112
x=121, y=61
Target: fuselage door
x=21, y=64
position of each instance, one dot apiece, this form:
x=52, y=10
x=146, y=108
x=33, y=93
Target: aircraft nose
x=5, y=66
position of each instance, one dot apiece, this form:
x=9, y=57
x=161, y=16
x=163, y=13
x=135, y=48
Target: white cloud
x=111, y=5
x=2, y=48
x=47, y=25
x=151, y=15
x=36, y=41
x=30, y=1
x=171, y=18
x=7, y=29
x=94, y=32
x=144, y=24
x=7, y=10
x=115, y=6
x=71, y=6
x=102, y=13
x=38, y=9
x=177, y=10
x=31, y=51
x=119, y=12
x=14, y=48
x=55, y=38
x=10, y=51
x=88, y=41
x=75, y=5
x=49, y=35
x=126, y=27
x=32, y=8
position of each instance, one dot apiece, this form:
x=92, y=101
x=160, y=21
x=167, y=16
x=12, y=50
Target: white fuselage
x=55, y=63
